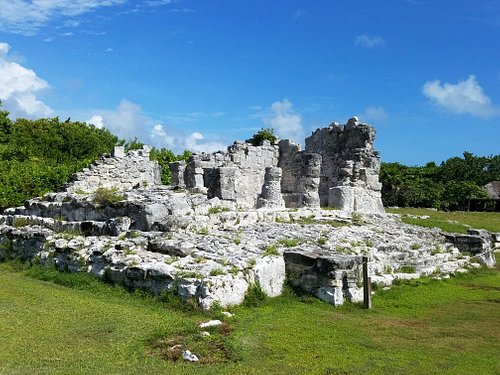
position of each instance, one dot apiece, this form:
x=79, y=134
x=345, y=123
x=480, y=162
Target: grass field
x=430, y=327
x=457, y=221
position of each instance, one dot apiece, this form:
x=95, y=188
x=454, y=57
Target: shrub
x=255, y=296
x=20, y=222
x=107, y=196
x=261, y=135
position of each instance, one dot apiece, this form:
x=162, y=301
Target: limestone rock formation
x=247, y=216
x=339, y=168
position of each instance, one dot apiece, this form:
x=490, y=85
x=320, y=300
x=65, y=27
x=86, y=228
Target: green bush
x=106, y=196
x=261, y=135
x=255, y=296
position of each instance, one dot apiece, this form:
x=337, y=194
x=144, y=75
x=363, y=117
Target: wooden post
x=367, y=287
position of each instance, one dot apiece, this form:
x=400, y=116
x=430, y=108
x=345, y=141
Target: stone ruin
x=251, y=215
x=338, y=168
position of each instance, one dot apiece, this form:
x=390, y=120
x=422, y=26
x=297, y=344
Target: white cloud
x=285, y=122
x=27, y=17
x=160, y=137
x=374, y=113
x=156, y=3
x=369, y=41
x=18, y=88
x=460, y=98
x=96, y=120
x=71, y=23
x=195, y=142
x=126, y=120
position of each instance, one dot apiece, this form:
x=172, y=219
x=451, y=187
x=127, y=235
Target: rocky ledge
x=165, y=240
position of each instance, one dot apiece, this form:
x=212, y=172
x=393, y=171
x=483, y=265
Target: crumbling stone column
x=177, y=169
x=271, y=196
x=193, y=174
x=309, y=182
x=220, y=182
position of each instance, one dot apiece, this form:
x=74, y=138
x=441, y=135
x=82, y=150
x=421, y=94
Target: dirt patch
x=215, y=348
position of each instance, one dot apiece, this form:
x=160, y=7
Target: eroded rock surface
x=209, y=242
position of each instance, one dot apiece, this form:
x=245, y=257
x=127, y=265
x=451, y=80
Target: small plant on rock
x=199, y=259
x=20, y=222
x=107, y=196
x=289, y=242
x=217, y=272
x=322, y=241
x=436, y=250
x=217, y=209
x=203, y=231
x=357, y=218
x=408, y=269
x=271, y=250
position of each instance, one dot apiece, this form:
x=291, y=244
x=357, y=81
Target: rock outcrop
x=247, y=216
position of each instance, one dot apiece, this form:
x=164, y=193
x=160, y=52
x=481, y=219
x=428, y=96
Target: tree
x=133, y=144
x=164, y=157
x=261, y=135
x=5, y=124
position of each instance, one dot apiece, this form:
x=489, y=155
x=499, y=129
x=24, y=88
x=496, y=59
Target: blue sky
x=201, y=74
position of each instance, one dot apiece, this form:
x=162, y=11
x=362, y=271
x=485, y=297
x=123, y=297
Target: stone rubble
x=209, y=242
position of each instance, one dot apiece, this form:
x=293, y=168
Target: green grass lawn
x=456, y=221
x=429, y=327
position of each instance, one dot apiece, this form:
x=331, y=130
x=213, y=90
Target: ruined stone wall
x=349, y=168
x=237, y=175
x=301, y=175
x=121, y=171
x=338, y=168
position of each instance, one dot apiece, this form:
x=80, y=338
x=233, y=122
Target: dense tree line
x=449, y=186
x=38, y=156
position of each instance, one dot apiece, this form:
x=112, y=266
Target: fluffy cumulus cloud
x=18, y=88
x=26, y=17
x=369, y=41
x=464, y=97
x=126, y=120
x=195, y=142
x=286, y=123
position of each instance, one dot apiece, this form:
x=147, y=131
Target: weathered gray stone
x=332, y=278
x=348, y=160
x=271, y=196
x=210, y=244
